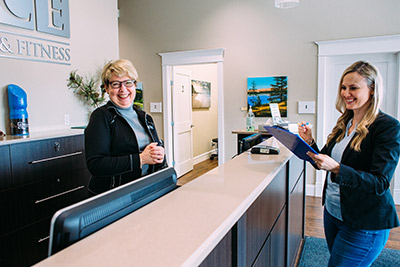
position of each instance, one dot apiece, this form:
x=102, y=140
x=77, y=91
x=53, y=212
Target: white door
x=182, y=121
x=387, y=65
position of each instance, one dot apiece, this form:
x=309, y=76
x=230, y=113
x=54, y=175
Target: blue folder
x=292, y=141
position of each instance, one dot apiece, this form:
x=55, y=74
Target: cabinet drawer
x=5, y=168
x=25, y=247
x=39, y=160
x=42, y=199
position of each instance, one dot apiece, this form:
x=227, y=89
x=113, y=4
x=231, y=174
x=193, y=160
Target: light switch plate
x=306, y=107
x=155, y=107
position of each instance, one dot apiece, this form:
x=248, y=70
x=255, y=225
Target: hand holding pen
x=304, y=129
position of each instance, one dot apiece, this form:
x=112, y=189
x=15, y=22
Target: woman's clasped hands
x=152, y=154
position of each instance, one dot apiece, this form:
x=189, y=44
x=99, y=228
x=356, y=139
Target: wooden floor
x=315, y=225
x=198, y=169
x=314, y=210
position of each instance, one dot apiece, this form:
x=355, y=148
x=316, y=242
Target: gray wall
x=259, y=40
x=93, y=41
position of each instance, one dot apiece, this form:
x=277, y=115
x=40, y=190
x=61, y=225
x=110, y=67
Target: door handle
x=192, y=125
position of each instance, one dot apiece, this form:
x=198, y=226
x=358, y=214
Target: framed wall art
x=261, y=91
x=201, y=94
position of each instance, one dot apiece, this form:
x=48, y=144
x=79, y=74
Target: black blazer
x=111, y=148
x=364, y=177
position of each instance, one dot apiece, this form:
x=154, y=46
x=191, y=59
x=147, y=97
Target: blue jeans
x=352, y=247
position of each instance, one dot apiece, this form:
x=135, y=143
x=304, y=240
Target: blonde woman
x=121, y=141
x=360, y=157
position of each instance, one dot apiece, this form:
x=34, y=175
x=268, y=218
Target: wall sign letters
x=45, y=16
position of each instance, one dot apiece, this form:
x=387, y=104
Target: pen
x=304, y=124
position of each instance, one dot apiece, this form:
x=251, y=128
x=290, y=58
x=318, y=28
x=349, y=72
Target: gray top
x=332, y=202
x=141, y=135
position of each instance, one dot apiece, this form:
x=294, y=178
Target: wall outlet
x=66, y=119
x=306, y=107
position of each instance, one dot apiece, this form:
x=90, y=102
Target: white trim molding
x=367, y=45
x=206, y=56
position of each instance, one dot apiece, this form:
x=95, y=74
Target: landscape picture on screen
x=261, y=91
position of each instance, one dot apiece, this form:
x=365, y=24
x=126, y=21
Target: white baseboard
x=204, y=156
x=396, y=196
x=313, y=190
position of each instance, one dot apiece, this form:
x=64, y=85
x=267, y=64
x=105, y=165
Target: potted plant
x=87, y=89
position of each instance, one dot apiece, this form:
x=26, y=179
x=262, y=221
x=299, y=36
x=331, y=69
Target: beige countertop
x=13, y=139
x=182, y=227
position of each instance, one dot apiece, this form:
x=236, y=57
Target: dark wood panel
x=39, y=160
x=221, y=254
x=262, y=214
x=278, y=242
x=296, y=167
x=264, y=258
x=295, y=223
x=30, y=203
x=25, y=247
x=5, y=168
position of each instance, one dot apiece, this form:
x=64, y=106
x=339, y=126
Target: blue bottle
x=17, y=101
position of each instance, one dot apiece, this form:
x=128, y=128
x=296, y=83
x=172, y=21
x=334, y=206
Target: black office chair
x=214, y=144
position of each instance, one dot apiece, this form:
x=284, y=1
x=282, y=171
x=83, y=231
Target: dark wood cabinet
x=262, y=215
x=5, y=168
x=42, y=177
x=296, y=208
x=271, y=230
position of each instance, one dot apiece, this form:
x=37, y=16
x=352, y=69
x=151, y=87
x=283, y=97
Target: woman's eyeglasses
x=117, y=84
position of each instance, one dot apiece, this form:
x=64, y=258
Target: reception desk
x=247, y=212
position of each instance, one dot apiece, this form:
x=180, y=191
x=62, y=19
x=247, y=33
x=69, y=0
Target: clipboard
x=292, y=141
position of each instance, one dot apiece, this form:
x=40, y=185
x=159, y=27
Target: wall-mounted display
x=201, y=94
x=261, y=91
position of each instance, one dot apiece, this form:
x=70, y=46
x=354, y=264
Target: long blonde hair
x=374, y=82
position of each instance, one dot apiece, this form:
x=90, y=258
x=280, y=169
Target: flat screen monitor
x=249, y=141
x=79, y=220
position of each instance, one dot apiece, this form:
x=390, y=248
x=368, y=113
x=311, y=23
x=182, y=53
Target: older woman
x=360, y=158
x=121, y=141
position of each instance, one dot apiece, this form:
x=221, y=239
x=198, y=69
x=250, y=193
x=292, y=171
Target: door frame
x=191, y=57
x=326, y=51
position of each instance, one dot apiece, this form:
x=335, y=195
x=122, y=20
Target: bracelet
x=312, y=142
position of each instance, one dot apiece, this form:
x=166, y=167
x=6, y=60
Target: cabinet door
x=40, y=160
x=273, y=252
x=33, y=202
x=221, y=255
x=296, y=222
x=26, y=246
x=278, y=242
x=262, y=215
x=264, y=258
x=5, y=168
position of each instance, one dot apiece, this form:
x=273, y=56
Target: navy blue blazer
x=364, y=177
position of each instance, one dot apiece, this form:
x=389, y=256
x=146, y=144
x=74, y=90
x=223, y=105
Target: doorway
x=173, y=59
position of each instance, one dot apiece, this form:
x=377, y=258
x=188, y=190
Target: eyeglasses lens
x=117, y=84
